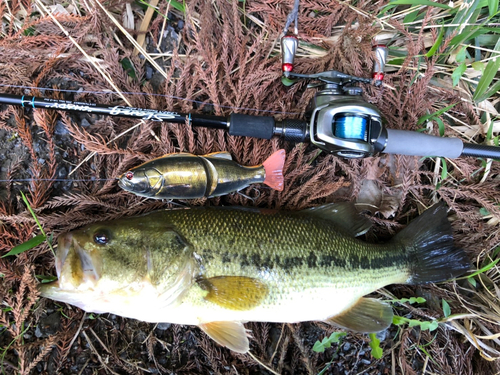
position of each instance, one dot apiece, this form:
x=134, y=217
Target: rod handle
x=417, y=144
x=251, y=126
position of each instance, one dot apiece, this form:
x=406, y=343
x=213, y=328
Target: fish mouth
x=76, y=267
x=50, y=290
x=124, y=183
x=132, y=186
x=53, y=289
x=63, y=245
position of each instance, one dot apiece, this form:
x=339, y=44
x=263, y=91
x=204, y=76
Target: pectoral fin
x=234, y=292
x=367, y=315
x=230, y=334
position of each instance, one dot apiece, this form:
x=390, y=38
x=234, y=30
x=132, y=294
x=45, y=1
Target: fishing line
x=148, y=94
x=60, y=179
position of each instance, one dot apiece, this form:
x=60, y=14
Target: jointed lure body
x=188, y=176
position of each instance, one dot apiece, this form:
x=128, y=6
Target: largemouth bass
x=218, y=267
x=187, y=176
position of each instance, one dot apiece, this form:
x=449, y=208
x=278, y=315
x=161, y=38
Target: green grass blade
x=419, y=2
x=410, y=17
x=491, y=91
x=483, y=269
x=49, y=241
x=444, y=169
x=440, y=125
x=179, y=6
x=436, y=45
x=487, y=78
x=430, y=116
x=489, y=134
x=465, y=14
x=30, y=244
x=492, y=7
x=25, y=200
x=467, y=35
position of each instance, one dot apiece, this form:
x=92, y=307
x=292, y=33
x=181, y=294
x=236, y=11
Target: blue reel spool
x=349, y=126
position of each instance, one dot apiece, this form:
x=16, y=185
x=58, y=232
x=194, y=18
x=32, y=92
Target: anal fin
x=229, y=334
x=367, y=315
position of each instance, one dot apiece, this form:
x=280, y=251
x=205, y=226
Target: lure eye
x=129, y=175
x=101, y=238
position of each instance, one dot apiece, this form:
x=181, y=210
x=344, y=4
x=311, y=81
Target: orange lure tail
x=274, y=170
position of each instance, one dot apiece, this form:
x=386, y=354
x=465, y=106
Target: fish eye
x=101, y=238
x=129, y=175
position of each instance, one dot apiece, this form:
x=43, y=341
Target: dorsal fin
x=220, y=155
x=344, y=215
x=174, y=154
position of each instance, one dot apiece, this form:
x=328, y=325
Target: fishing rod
x=341, y=122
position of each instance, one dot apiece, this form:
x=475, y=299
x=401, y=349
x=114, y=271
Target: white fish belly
x=310, y=305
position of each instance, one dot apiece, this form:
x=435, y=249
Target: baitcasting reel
x=341, y=121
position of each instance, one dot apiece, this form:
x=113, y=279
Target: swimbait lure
x=188, y=176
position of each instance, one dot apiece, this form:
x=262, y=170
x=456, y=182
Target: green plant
x=175, y=4
x=377, y=351
x=410, y=300
x=446, y=308
x=435, y=117
x=425, y=325
x=319, y=347
x=485, y=268
x=4, y=350
x=33, y=242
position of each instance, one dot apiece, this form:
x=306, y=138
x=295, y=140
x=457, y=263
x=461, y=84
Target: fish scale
x=284, y=258
x=216, y=267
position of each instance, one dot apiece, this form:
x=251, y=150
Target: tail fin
x=429, y=246
x=274, y=170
